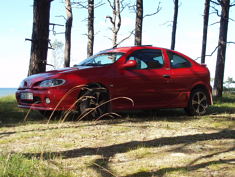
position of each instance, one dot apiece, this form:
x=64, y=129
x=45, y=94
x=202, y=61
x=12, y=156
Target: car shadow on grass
x=157, y=114
x=101, y=165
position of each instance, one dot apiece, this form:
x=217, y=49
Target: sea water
x=7, y=91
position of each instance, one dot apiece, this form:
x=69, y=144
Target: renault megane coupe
x=125, y=78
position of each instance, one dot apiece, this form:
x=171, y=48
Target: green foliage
x=18, y=165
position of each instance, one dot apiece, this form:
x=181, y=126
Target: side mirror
x=129, y=64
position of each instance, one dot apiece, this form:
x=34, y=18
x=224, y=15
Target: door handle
x=166, y=76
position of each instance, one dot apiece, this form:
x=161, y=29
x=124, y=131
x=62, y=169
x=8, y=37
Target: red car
x=126, y=78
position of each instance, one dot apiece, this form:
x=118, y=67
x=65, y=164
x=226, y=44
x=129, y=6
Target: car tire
x=198, y=103
x=92, y=104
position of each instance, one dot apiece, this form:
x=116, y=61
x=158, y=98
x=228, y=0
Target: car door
x=182, y=76
x=147, y=84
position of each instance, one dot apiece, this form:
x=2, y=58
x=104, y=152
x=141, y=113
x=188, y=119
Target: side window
x=148, y=59
x=178, y=61
x=141, y=63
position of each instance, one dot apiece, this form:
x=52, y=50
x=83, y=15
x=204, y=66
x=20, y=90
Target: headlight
x=52, y=83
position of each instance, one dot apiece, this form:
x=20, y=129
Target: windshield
x=101, y=59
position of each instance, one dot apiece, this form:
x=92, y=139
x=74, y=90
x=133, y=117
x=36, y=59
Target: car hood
x=31, y=80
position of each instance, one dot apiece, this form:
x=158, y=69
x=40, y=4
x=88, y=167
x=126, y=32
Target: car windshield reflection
x=101, y=59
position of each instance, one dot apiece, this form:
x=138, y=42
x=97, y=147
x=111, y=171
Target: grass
x=149, y=143
x=9, y=113
x=19, y=165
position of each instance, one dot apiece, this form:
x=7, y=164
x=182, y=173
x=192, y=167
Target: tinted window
x=178, y=61
x=148, y=59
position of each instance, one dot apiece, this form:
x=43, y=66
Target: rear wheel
x=92, y=103
x=198, y=103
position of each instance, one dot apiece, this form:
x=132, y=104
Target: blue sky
x=16, y=19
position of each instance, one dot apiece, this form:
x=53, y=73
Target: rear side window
x=178, y=61
x=147, y=59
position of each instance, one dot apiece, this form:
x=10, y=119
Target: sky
x=16, y=25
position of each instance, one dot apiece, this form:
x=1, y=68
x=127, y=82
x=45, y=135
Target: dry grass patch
x=128, y=147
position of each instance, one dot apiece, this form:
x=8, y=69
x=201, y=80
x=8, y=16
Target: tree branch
x=231, y=19
x=216, y=2
x=111, y=19
x=167, y=23
x=214, y=23
x=132, y=8
x=209, y=55
x=216, y=11
x=157, y=11
x=131, y=33
x=108, y=38
x=110, y=4
x=53, y=27
x=232, y=5
x=83, y=4
x=123, y=6
x=27, y=39
x=99, y=4
x=80, y=4
x=62, y=17
x=230, y=42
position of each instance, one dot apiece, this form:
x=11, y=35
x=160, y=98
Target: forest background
x=15, y=51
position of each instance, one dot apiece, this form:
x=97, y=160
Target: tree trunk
x=173, y=36
x=139, y=22
x=68, y=28
x=117, y=21
x=219, y=72
x=205, y=27
x=90, y=43
x=40, y=35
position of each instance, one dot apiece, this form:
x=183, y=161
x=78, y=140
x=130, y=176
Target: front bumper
x=47, y=99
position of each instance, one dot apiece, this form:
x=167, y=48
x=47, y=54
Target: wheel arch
x=93, y=85
x=89, y=91
x=207, y=90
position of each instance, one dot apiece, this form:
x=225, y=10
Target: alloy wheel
x=199, y=102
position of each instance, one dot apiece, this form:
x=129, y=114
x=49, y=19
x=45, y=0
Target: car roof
x=130, y=48
x=133, y=48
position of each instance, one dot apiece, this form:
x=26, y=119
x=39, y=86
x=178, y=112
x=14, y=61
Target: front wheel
x=198, y=103
x=93, y=103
